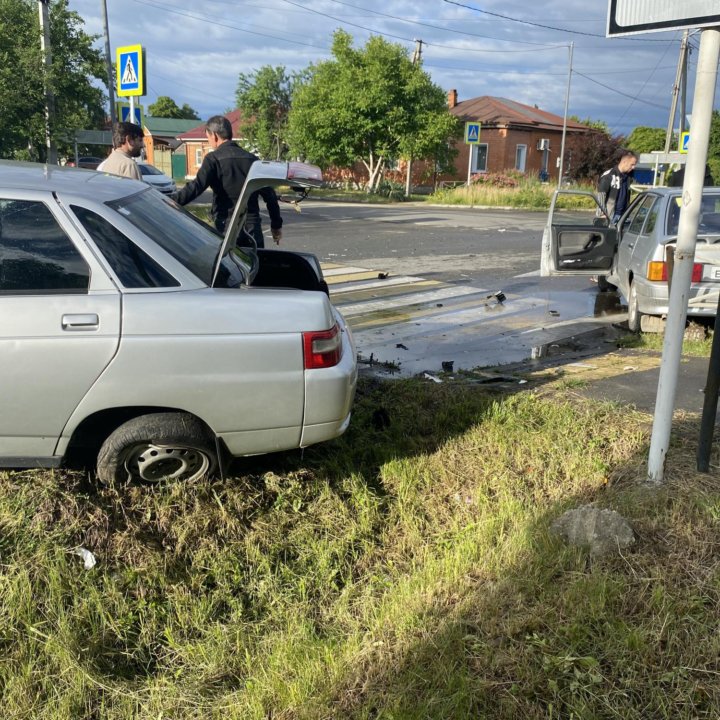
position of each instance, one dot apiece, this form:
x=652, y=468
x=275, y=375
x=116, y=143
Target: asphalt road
x=441, y=269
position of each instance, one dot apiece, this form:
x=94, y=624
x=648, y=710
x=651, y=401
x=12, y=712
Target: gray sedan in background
x=132, y=332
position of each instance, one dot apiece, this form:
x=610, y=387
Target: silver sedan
x=132, y=331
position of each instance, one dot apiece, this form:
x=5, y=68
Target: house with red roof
x=513, y=136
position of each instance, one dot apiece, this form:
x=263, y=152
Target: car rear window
x=709, y=220
x=189, y=241
x=132, y=265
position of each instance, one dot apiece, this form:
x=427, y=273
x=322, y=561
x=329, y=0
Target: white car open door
x=577, y=241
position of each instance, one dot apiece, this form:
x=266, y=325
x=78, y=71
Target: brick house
x=196, y=145
x=160, y=142
x=513, y=136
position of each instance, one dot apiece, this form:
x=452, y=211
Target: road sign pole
x=131, y=117
x=705, y=81
x=470, y=151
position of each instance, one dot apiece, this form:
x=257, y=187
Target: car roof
x=54, y=178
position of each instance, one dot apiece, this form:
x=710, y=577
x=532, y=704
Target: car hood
x=262, y=174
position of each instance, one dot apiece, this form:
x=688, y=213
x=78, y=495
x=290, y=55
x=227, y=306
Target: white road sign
x=627, y=17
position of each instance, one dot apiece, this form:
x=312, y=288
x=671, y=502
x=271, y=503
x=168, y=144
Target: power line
x=539, y=25
x=619, y=92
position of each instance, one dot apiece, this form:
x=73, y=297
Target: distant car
x=635, y=255
x=87, y=162
x=133, y=335
x=156, y=178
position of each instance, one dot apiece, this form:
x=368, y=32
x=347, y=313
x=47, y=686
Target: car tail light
x=322, y=349
x=657, y=271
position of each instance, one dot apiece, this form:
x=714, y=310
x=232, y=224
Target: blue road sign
x=125, y=115
x=684, y=142
x=130, y=71
x=472, y=133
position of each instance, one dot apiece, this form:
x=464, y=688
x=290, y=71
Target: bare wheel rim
x=159, y=462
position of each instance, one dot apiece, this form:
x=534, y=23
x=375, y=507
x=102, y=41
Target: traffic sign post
x=472, y=137
x=130, y=63
x=703, y=101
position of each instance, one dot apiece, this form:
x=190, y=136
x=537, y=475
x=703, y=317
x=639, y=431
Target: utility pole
x=417, y=56
x=680, y=79
x=51, y=156
x=564, y=131
x=108, y=64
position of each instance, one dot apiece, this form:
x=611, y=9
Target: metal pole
x=567, y=102
x=710, y=402
x=675, y=90
x=51, y=152
x=108, y=64
x=417, y=55
x=705, y=81
x=684, y=50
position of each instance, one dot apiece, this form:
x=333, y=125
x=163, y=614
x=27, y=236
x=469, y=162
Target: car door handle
x=90, y=321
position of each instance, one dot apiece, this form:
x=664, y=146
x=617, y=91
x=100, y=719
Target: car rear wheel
x=634, y=314
x=158, y=446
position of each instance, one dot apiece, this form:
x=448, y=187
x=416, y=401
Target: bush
x=390, y=190
x=508, y=179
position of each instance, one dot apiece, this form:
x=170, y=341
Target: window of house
x=36, y=256
x=520, y=157
x=198, y=156
x=479, y=158
x=132, y=265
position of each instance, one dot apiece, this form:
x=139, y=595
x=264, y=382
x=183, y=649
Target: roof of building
x=167, y=127
x=501, y=111
x=198, y=132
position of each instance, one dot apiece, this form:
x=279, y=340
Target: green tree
x=166, y=107
x=589, y=155
x=714, y=146
x=263, y=98
x=595, y=124
x=371, y=106
x=646, y=139
x=78, y=102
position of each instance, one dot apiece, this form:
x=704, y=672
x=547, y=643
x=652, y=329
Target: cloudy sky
x=517, y=49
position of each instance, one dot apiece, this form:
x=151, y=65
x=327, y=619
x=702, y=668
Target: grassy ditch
x=405, y=570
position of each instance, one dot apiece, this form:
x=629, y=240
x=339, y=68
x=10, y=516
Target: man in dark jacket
x=224, y=170
x=614, y=186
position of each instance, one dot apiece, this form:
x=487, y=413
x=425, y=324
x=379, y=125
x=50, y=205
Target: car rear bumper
x=702, y=300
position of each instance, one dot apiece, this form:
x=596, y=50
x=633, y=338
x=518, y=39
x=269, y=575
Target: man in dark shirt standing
x=614, y=186
x=224, y=171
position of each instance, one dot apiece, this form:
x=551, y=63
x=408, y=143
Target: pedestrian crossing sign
x=472, y=133
x=130, y=68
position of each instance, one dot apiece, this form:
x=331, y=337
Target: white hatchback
x=132, y=331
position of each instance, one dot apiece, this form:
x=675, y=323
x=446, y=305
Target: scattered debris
x=585, y=366
x=600, y=530
x=401, y=346
x=432, y=377
x=537, y=352
x=438, y=304
x=89, y=560
x=627, y=368
x=383, y=275
x=554, y=312
x=499, y=296
x=447, y=365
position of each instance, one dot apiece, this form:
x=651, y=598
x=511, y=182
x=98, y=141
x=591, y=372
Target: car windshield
x=149, y=170
x=709, y=221
x=187, y=239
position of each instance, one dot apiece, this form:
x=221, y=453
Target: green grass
x=530, y=194
x=654, y=341
x=405, y=570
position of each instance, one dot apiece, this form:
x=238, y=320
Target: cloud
x=195, y=52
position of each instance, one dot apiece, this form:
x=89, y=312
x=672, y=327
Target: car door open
x=576, y=241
